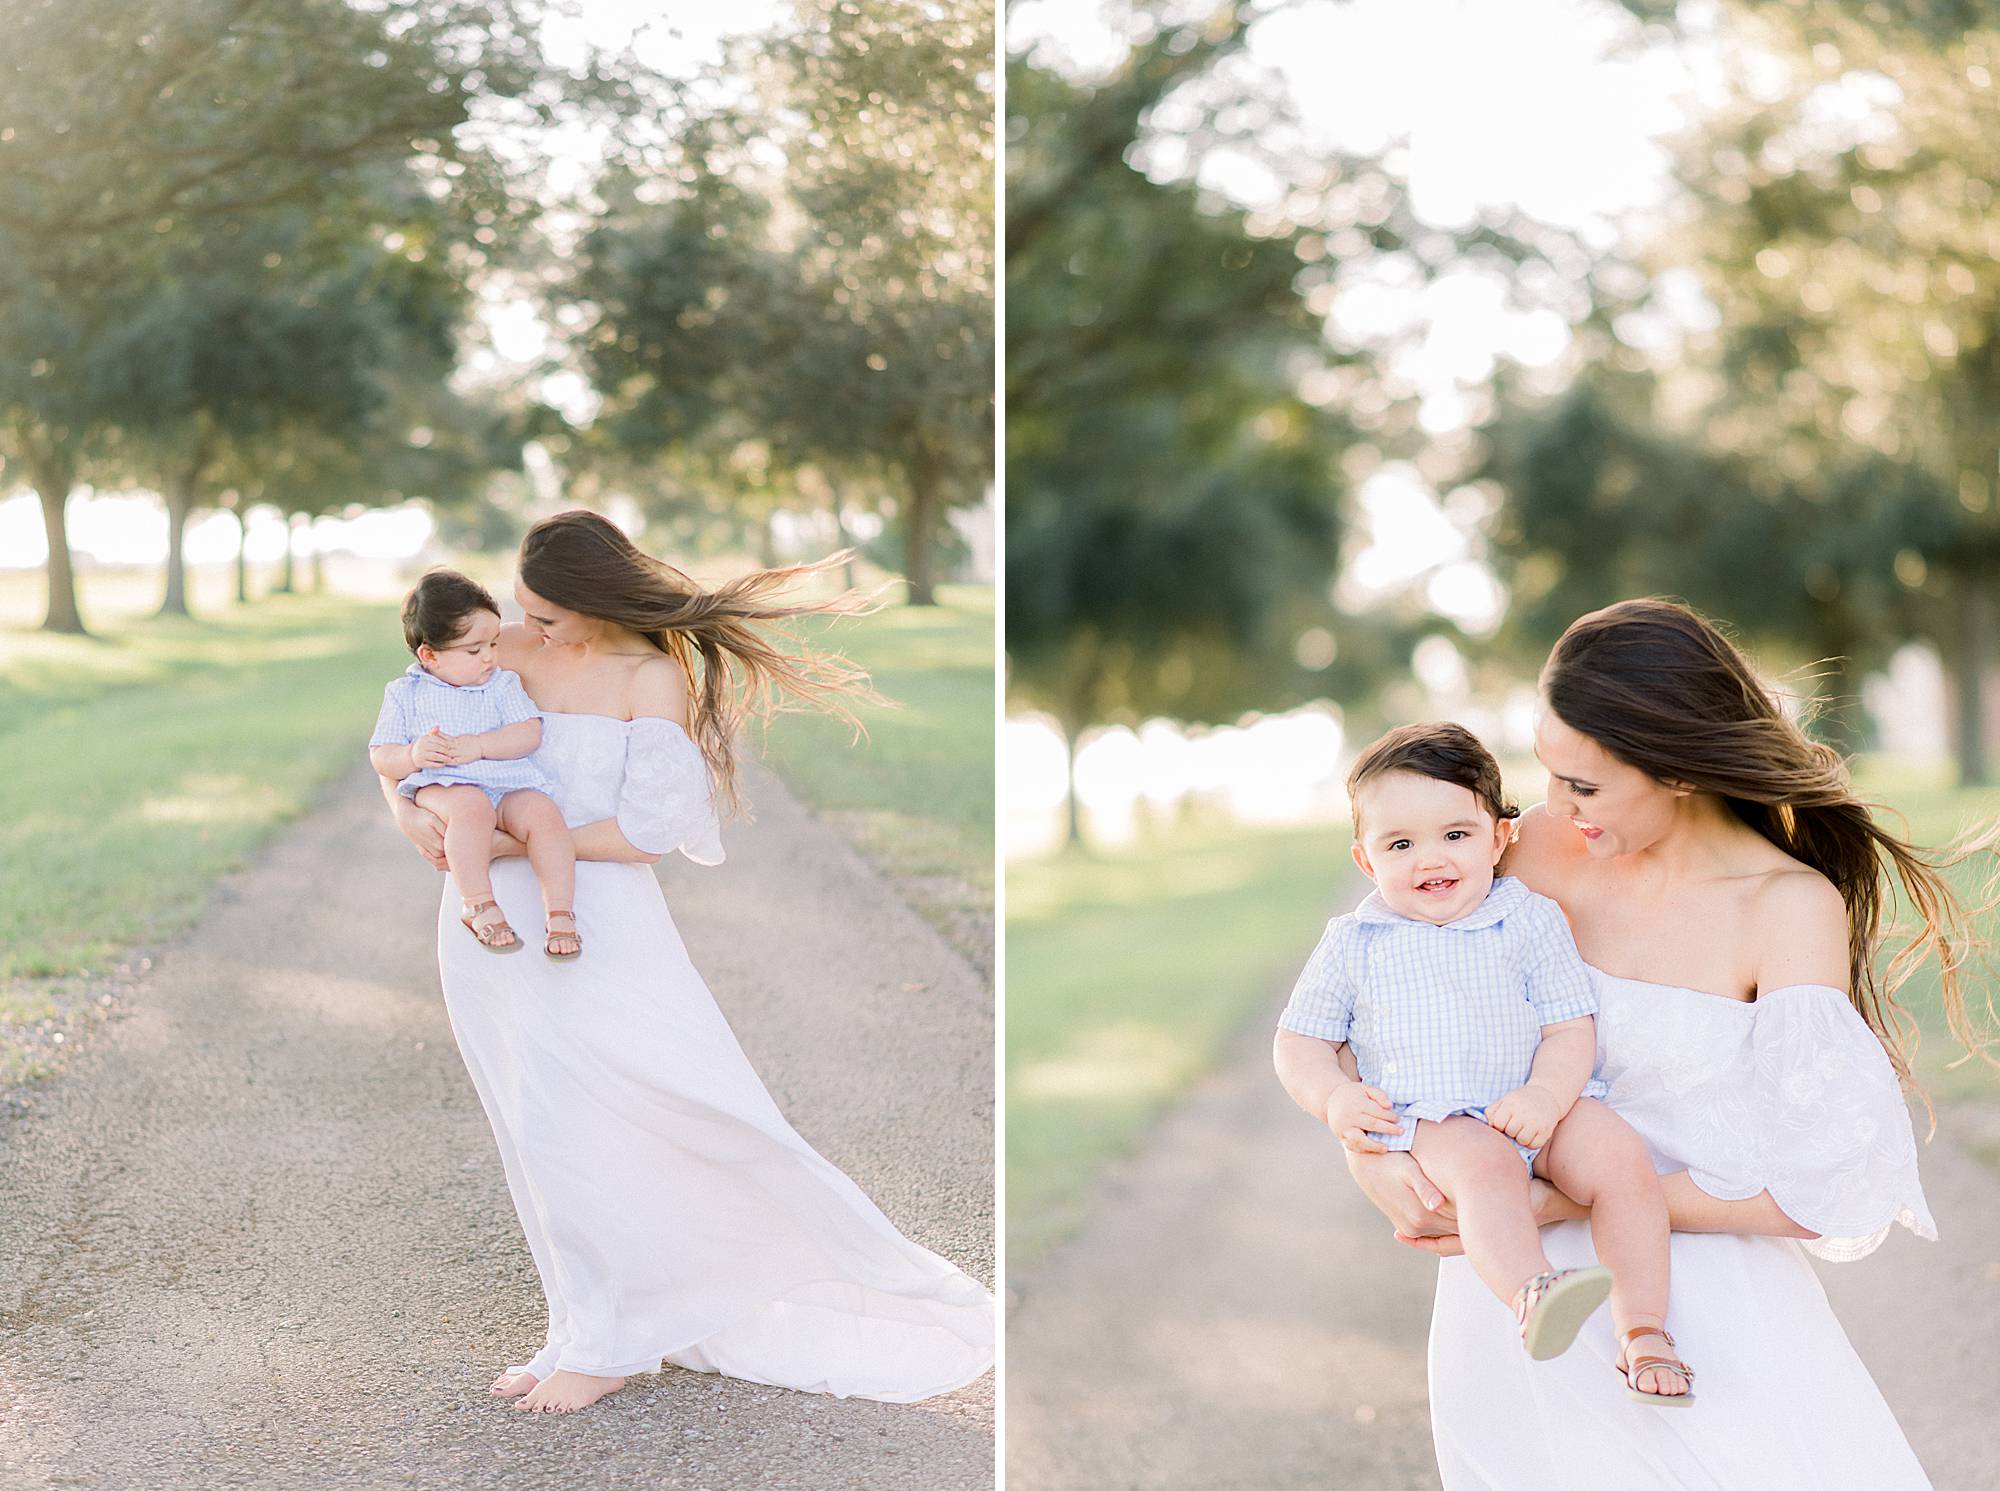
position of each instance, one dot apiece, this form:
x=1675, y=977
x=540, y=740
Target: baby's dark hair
x=435, y=613
x=1437, y=749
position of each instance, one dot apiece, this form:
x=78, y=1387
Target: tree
x=1828, y=472
x=123, y=127
x=816, y=262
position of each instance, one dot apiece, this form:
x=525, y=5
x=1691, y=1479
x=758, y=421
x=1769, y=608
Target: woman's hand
x=1398, y=1188
x=1550, y=1206
x=421, y=827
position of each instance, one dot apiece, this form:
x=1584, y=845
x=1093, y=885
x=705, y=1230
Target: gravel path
x=257, y=1234
x=1234, y=1315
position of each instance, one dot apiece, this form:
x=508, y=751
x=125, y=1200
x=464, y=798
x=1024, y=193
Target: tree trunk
x=53, y=477
x=842, y=541
x=179, y=496
x=288, y=586
x=1975, y=626
x=926, y=479
x=319, y=570
x=767, y=540
x=243, y=556
x=181, y=492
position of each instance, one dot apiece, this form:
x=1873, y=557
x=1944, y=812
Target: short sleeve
x=1829, y=1130
x=1322, y=1002
x=1558, y=982
x=512, y=700
x=392, y=725
x=666, y=802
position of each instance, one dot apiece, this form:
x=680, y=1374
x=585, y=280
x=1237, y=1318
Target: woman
x=1728, y=890
x=672, y=1212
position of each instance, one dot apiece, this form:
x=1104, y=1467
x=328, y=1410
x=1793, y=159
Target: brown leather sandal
x=1632, y=1368
x=490, y=935
x=1551, y=1308
x=550, y=936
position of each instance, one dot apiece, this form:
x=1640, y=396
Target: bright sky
x=131, y=528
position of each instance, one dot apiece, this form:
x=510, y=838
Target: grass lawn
x=916, y=794
x=1129, y=972
x=148, y=759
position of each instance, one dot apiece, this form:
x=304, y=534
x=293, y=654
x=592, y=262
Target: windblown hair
x=721, y=636
x=1439, y=750
x=1663, y=690
x=435, y=612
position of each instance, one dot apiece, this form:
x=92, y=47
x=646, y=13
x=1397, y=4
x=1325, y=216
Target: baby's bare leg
x=1481, y=1171
x=1596, y=1158
x=534, y=819
x=469, y=821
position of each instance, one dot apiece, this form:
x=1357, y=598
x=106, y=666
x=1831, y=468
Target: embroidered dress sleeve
x=1558, y=982
x=392, y=725
x=1322, y=1002
x=512, y=700
x=666, y=802
x=1823, y=1126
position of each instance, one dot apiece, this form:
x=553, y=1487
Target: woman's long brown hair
x=1663, y=690
x=582, y=562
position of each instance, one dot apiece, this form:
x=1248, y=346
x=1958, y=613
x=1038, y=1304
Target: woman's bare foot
x=566, y=1392
x=513, y=1384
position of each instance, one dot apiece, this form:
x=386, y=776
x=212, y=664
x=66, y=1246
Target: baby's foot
x=562, y=942
x=566, y=1392
x=513, y=1384
x=487, y=922
x=1656, y=1380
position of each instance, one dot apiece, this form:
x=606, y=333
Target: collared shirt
x=419, y=700
x=1444, y=1019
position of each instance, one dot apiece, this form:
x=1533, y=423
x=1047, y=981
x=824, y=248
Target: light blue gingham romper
x=1444, y=1019
x=415, y=702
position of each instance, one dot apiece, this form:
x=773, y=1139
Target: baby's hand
x=1356, y=1111
x=463, y=749
x=1527, y=1115
x=432, y=748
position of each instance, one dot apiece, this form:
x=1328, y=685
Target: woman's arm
x=420, y=826
x=1689, y=1209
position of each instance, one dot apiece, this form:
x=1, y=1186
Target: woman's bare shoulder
x=1801, y=923
x=659, y=690
x=1543, y=851
x=516, y=643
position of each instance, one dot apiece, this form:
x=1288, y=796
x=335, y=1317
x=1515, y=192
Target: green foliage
x=1172, y=503
x=221, y=219
x=1820, y=466
x=811, y=270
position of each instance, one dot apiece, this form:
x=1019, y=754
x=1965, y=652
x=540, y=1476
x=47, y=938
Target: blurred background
x=299, y=299
x=1354, y=348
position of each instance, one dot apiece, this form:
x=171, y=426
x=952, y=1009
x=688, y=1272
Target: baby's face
x=469, y=660
x=1429, y=846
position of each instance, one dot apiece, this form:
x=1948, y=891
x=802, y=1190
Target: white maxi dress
x=1792, y=1094
x=673, y=1213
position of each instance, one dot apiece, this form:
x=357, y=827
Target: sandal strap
x=560, y=911
x=473, y=908
x=1530, y=1294
x=1626, y=1336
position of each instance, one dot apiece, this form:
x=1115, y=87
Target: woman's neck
x=612, y=640
x=1701, y=843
